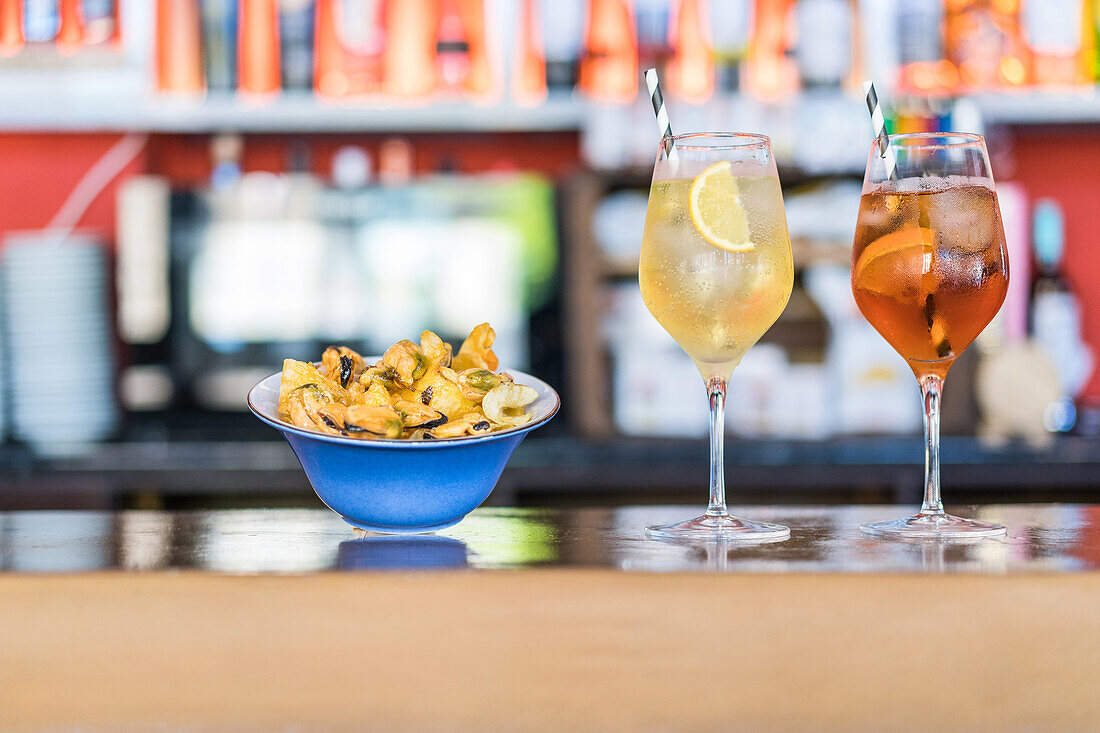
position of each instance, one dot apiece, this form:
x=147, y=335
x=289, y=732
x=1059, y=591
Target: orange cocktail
x=929, y=269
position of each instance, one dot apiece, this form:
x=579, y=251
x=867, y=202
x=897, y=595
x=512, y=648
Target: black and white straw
x=664, y=127
x=878, y=122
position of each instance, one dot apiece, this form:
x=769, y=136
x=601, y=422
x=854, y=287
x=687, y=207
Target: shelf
x=616, y=470
x=22, y=108
x=1073, y=106
x=90, y=100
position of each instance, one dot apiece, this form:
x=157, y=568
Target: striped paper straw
x=878, y=122
x=664, y=127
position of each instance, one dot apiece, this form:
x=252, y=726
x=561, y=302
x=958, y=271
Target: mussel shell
x=346, y=366
x=434, y=423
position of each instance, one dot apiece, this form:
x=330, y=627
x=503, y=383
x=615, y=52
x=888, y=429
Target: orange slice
x=896, y=257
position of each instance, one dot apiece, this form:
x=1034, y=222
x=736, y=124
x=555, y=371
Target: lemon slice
x=716, y=210
x=897, y=256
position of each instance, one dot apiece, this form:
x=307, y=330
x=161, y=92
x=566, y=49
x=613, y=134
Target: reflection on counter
x=402, y=552
x=1041, y=538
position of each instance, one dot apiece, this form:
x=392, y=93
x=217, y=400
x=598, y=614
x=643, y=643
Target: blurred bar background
x=193, y=190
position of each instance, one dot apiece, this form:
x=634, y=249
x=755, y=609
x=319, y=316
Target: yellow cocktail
x=716, y=272
x=716, y=297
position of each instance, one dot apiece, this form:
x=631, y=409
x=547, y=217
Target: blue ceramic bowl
x=402, y=486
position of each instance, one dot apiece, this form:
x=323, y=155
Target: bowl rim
x=405, y=443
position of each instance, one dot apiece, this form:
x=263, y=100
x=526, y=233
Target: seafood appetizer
x=416, y=392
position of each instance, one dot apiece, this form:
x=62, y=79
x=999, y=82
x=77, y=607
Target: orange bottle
x=770, y=71
x=258, y=47
x=1055, y=32
x=347, y=51
x=409, y=55
x=70, y=29
x=178, y=46
x=529, y=81
x=479, y=75
x=691, y=71
x=609, y=69
x=452, y=49
x=461, y=52
x=984, y=40
x=11, y=27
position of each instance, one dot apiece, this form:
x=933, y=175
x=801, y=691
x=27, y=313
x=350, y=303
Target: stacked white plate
x=60, y=350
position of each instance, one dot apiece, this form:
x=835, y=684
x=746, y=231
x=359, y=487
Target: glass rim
x=739, y=140
x=964, y=139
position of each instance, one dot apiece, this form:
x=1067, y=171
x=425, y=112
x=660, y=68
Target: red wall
x=1063, y=163
x=39, y=171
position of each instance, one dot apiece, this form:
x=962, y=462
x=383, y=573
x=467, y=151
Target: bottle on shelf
x=562, y=33
x=11, y=27
x=219, y=44
x=70, y=27
x=1056, y=315
x=461, y=50
x=1092, y=38
x=529, y=86
x=452, y=48
x=984, y=40
x=730, y=23
x=410, y=48
x=178, y=47
x=653, y=25
x=480, y=82
x=1055, y=35
x=41, y=21
x=99, y=21
x=258, y=47
x=919, y=32
x=770, y=72
x=75, y=24
x=691, y=68
x=609, y=68
x=296, y=43
x=827, y=42
x=349, y=40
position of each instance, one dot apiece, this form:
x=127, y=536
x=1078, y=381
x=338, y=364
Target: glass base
x=719, y=528
x=934, y=526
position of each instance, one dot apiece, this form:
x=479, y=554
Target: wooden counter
x=238, y=620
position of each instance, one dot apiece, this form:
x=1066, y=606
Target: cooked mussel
x=407, y=362
x=475, y=383
x=342, y=364
x=472, y=423
x=440, y=391
x=381, y=373
x=419, y=415
x=435, y=350
x=299, y=376
x=378, y=420
x=334, y=416
x=374, y=394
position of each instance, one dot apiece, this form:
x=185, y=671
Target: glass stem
x=931, y=387
x=716, y=389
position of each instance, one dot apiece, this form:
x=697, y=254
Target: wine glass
x=716, y=272
x=929, y=271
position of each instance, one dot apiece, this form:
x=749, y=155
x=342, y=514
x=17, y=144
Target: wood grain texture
x=549, y=650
